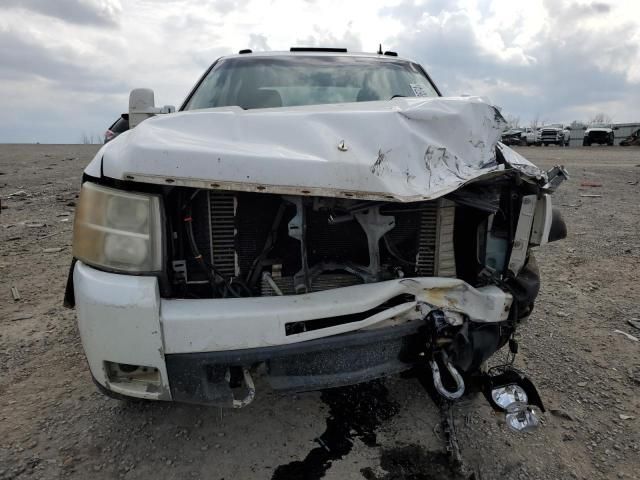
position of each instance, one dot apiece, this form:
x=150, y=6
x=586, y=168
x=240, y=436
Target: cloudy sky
x=66, y=66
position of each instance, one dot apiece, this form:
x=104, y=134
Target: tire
x=546, y=144
x=586, y=143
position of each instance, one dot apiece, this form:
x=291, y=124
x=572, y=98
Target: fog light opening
x=128, y=373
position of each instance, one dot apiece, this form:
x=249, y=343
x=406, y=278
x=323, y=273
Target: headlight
x=118, y=230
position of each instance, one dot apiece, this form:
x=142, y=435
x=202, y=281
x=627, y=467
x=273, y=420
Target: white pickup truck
x=599, y=133
x=312, y=218
x=554, y=134
x=529, y=136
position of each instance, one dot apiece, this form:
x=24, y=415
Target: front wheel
x=586, y=143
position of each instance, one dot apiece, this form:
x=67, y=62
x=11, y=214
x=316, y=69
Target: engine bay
x=246, y=244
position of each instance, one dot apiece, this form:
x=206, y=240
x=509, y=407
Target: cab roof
x=321, y=52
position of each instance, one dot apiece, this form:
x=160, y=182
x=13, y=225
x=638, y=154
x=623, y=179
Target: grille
x=445, y=260
x=427, y=240
x=598, y=135
x=425, y=228
x=222, y=218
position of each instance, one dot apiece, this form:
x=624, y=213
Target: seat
x=367, y=95
x=259, y=98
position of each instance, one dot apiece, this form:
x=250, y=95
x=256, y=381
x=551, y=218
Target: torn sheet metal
x=213, y=324
x=406, y=149
x=517, y=161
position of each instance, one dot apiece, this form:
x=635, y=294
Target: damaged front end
x=458, y=270
x=327, y=260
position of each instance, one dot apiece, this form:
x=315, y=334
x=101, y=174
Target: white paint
x=523, y=234
x=119, y=321
x=95, y=166
x=542, y=220
x=597, y=129
x=142, y=106
x=406, y=149
x=230, y=324
x=520, y=163
x=122, y=318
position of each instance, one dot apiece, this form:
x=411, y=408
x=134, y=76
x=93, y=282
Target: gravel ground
x=53, y=423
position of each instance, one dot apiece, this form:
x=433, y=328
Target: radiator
x=240, y=223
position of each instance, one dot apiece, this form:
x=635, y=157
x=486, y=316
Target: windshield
x=267, y=82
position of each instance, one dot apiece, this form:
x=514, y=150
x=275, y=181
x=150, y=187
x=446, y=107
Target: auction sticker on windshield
x=419, y=89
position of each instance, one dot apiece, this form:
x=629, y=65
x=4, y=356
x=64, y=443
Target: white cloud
x=74, y=61
x=81, y=12
x=552, y=58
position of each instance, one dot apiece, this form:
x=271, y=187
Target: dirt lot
x=54, y=424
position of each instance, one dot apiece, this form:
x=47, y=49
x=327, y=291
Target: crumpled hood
x=406, y=149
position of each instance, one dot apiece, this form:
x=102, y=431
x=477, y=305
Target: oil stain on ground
x=355, y=412
x=413, y=462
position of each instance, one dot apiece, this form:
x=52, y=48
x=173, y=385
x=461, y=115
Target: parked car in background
x=513, y=136
x=554, y=134
x=117, y=127
x=599, y=133
x=633, y=139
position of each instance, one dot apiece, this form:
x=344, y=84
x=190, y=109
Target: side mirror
x=142, y=106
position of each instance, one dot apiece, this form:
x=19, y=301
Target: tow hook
x=437, y=380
